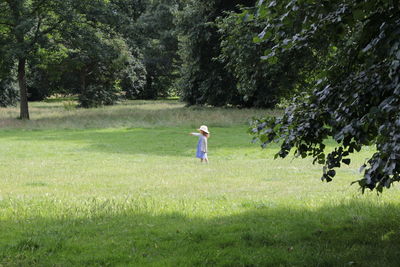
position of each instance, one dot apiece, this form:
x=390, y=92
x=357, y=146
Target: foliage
x=97, y=95
x=133, y=81
x=158, y=42
x=97, y=60
x=25, y=26
x=38, y=84
x=257, y=84
x=8, y=90
x=8, y=93
x=355, y=83
x=89, y=63
x=203, y=79
x=45, y=71
x=50, y=35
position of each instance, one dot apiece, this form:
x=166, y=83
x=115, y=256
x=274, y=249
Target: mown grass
x=125, y=190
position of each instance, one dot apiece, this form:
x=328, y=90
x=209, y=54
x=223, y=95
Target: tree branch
x=7, y=24
x=52, y=28
x=39, y=33
x=3, y=9
x=35, y=38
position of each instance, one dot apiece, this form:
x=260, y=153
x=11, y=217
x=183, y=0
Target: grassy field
x=119, y=186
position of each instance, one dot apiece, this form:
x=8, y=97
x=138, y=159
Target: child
x=202, y=144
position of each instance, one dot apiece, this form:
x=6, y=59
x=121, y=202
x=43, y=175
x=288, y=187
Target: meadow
x=119, y=186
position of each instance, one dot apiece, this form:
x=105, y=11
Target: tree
x=29, y=25
x=354, y=78
x=8, y=92
x=43, y=71
x=204, y=79
x=257, y=84
x=97, y=59
x=133, y=81
x=159, y=46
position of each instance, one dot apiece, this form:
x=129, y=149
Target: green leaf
x=358, y=14
x=331, y=173
x=272, y=60
x=257, y=39
x=346, y=161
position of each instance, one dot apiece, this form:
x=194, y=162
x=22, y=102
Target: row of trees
x=221, y=63
x=66, y=46
x=95, y=49
x=101, y=50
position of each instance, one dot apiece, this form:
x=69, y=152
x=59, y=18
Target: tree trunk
x=23, y=91
x=83, y=81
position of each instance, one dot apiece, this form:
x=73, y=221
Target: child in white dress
x=202, y=146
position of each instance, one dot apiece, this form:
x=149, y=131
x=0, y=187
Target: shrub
x=97, y=95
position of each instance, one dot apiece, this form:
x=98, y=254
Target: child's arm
x=195, y=134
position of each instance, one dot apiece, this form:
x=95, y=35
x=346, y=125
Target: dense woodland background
x=103, y=51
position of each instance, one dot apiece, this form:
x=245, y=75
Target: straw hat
x=204, y=129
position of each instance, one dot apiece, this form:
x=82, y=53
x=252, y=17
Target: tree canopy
x=102, y=51
x=43, y=34
x=347, y=54
x=203, y=78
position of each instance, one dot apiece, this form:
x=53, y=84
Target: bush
x=133, y=81
x=97, y=95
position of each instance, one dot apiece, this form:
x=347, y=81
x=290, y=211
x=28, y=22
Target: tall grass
x=128, y=114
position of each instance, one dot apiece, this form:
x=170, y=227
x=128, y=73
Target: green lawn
x=119, y=186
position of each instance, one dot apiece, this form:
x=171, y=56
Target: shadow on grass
x=350, y=234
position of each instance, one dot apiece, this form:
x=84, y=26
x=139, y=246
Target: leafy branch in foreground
x=355, y=83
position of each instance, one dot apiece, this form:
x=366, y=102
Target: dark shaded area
x=349, y=234
x=203, y=80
